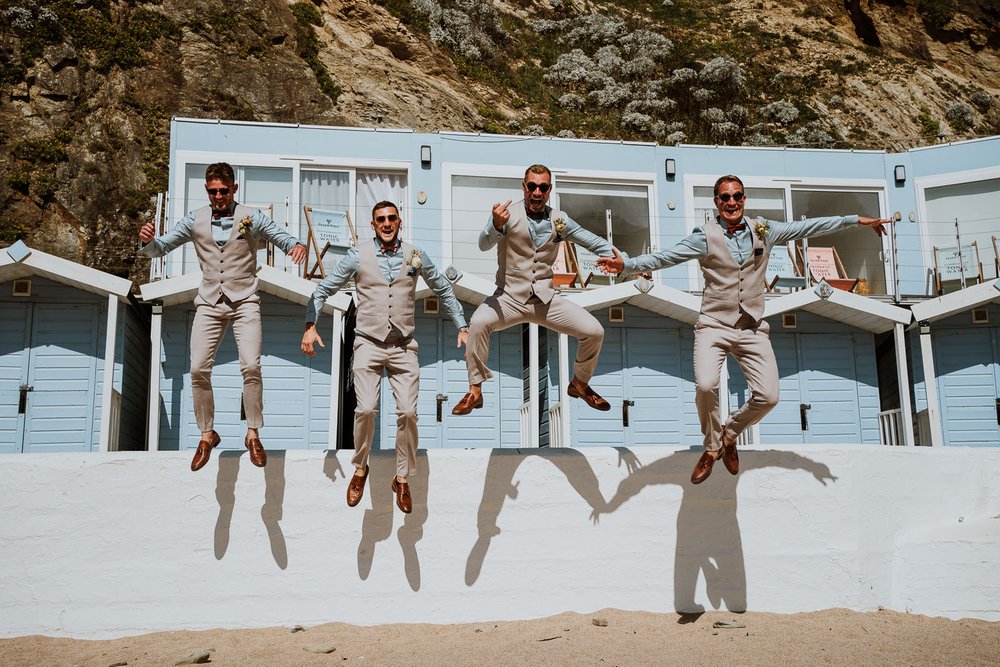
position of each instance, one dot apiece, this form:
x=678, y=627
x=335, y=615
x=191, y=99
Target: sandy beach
x=608, y=637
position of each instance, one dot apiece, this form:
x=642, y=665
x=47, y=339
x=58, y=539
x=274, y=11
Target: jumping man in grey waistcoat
x=527, y=235
x=387, y=270
x=225, y=236
x=733, y=254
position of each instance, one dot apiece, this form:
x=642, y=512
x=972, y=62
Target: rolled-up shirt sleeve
x=346, y=269
x=443, y=289
x=581, y=237
x=782, y=232
x=490, y=235
x=264, y=228
x=178, y=235
x=695, y=246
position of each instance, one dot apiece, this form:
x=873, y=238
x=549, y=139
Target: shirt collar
x=393, y=248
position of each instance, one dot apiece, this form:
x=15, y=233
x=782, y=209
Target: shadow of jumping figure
x=270, y=512
x=377, y=522
x=499, y=485
x=708, y=532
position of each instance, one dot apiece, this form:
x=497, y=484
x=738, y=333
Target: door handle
x=22, y=400
x=441, y=398
x=803, y=417
x=626, y=404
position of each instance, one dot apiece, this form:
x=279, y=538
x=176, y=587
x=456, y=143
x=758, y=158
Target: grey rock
x=197, y=657
x=297, y=628
x=319, y=648
x=600, y=622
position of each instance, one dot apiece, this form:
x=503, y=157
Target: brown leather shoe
x=403, y=499
x=578, y=389
x=204, y=451
x=730, y=458
x=703, y=468
x=467, y=404
x=356, y=488
x=258, y=456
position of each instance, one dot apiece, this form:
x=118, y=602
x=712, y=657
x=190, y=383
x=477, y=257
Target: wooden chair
x=951, y=264
x=564, y=272
x=996, y=257
x=825, y=264
x=785, y=271
x=333, y=234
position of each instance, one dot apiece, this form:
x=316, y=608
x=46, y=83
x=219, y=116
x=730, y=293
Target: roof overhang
x=468, y=288
x=288, y=286
x=20, y=261
x=957, y=302
x=659, y=299
x=853, y=309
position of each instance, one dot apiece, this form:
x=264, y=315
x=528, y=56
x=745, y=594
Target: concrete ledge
x=101, y=545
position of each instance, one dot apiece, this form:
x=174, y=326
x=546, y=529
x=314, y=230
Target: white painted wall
x=102, y=545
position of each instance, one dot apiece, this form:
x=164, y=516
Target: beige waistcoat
x=384, y=306
x=524, y=270
x=731, y=289
x=230, y=270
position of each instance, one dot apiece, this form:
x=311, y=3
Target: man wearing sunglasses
x=527, y=235
x=387, y=270
x=733, y=254
x=226, y=236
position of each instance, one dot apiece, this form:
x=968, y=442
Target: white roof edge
x=957, y=302
x=71, y=273
x=220, y=121
x=862, y=304
x=977, y=140
x=168, y=287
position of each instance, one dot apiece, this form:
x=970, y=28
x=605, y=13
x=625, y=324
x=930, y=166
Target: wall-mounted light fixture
x=899, y=173
x=670, y=167
x=824, y=290
x=425, y=156
x=452, y=274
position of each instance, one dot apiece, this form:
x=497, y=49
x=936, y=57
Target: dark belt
x=394, y=342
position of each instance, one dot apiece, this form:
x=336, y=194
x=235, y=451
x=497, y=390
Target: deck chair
x=782, y=271
x=343, y=237
x=950, y=265
x=825, y=264
x=996, y=258
x=564, y=272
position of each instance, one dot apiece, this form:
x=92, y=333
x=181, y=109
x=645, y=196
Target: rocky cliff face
x=88, y=86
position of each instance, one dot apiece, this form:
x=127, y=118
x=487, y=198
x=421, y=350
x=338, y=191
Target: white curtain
x=373, y=187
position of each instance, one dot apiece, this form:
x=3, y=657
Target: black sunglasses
x=541, y=187
x=736, y=196
x=217, y=191
x=392, y=217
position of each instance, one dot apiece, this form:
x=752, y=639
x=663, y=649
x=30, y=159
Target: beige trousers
x=210, y=324
x=501, y=312
x=751, y=347
x=400, y=362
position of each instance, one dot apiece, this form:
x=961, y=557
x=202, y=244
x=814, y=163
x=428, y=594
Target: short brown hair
x=384, y=204
x=537, y=169
x=221, y=171
x=726, y=179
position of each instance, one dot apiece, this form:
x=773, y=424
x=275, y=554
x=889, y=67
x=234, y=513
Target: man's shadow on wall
x=270, y=512
x=377, y=521
x=708, y=532
x=499, y=486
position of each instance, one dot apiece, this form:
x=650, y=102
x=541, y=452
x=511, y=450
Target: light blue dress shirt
x=740, y=242
x=390, y=262
x=540, y=231
x=264, y=229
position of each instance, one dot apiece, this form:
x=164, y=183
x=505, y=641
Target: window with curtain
x=860, y=250
x=270, y=190
x=373, y=187
x=617, y=212
x=974, y=205
x=325, y=191
x=472, y=199
x=194, y=197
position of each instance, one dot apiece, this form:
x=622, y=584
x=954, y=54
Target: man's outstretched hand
x=874, y=223
x=611, y=265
